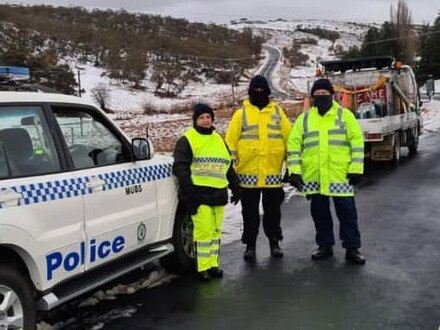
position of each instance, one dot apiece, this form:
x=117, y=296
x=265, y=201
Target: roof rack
x=355, y=64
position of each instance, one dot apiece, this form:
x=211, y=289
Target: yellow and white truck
x=385, y=98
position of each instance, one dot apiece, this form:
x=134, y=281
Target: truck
x=80, y=203
x=384, y=97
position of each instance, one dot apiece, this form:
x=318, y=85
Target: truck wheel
x=413, y=145
x=182, y=260
x=17, y=303
x=396, y=150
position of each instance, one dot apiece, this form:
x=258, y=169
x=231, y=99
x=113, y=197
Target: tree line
x=129, y=46
x=418, y=46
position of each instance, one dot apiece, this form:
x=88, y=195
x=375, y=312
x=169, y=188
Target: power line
x=398, y=38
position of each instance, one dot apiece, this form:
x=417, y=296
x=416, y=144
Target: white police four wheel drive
x=84, y=206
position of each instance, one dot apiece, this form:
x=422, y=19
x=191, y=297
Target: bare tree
x=101, y=95
x=401, y=18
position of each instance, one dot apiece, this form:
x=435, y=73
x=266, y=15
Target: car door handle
x=9, y=197
x=95, y=183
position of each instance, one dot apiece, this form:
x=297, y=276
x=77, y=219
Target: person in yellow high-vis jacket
x=326, y=159
x=257, y=137
x=202, y=165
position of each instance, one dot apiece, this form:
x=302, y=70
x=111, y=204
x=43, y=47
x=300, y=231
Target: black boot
x=354, y=256
x=323, y=252
x=204, y=276
x=275, y=249
x=215, y=272
x=249, y=254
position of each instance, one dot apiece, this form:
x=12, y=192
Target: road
x=268, y=70
x=398, y=288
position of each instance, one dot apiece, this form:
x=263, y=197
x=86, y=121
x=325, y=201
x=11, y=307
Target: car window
x=26, y=145
x=90, y=142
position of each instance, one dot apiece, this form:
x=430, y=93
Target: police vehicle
x=80, y=204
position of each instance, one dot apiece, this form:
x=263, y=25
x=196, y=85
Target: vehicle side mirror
x=142, y=149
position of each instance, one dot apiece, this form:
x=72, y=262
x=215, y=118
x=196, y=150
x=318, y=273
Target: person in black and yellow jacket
x=257, y=137
x=326, y=159
x=202, y=165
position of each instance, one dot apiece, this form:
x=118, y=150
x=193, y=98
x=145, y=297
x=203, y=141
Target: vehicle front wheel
x=184, y=255
x=17, y=303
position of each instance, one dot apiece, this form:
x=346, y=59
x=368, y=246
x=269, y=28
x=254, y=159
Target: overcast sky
x=221, y=11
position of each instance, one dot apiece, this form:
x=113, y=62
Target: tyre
x=182, y=260
x=413, y=144
x=17, y=302
x=396, y=150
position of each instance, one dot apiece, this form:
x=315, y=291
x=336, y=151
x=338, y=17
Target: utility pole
x=79, y=83
x=79, y=69
x=233, y=82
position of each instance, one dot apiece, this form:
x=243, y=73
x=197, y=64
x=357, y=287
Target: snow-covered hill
x=281, y=33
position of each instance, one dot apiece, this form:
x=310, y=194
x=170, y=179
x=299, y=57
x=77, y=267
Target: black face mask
x=259, y=99
x=323, y=103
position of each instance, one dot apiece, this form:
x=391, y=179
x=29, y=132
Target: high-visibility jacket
x=324, y=149
x=211, y=159
x=257, y=142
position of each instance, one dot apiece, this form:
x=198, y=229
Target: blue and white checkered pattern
x=211, y=160
x=341, y=188
x=310, y=187
x=273, y=180
x=51, y=190
x=248, y=180
x=120, y=179
x=68, y=188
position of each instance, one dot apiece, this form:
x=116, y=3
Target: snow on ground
x=431, y=116
x=283, y=34
x=122, y=98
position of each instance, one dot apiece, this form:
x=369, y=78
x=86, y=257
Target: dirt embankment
x=164, y=134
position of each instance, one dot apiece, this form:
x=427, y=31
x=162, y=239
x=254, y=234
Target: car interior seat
x=18, y=146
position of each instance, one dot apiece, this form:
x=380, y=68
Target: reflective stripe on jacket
x=324, y=149
x=211, y=159
x=257, y=142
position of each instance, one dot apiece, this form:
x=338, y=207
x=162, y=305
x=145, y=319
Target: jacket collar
x=248, y=105
x=332, y=112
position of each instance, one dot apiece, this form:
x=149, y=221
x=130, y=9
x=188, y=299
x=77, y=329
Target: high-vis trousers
x=207, y=232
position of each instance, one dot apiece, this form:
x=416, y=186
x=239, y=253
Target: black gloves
x=285, y=176
x=296, y=181
x=192, y=207
x=354, y=179
x=191, y=200
x=236, y=195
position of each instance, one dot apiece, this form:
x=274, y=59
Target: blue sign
x=72, y=260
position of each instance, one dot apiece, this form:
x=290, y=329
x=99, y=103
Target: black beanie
x=322, y=84
x=200, y=108
x=259, y=81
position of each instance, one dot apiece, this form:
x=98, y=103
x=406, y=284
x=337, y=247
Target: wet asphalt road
x=398, y=288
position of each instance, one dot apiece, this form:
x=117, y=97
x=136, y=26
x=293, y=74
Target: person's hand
x=192, y=209
x=285, y=176
x=236, y=196
x=192, y=204
x=296, y=181
x=354, y=179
